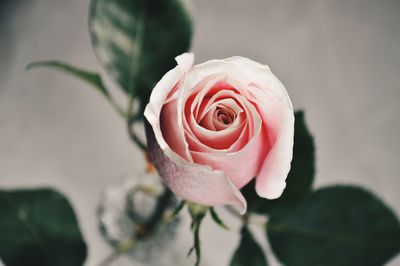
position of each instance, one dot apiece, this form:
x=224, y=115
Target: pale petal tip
x=185, y=60
x=243, y=209
x=241, y=205
x=270, y=192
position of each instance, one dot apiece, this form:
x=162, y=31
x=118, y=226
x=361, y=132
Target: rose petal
x=194, y=182
x=276, y=110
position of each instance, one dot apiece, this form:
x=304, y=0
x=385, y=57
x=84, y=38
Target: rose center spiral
x=224, y=116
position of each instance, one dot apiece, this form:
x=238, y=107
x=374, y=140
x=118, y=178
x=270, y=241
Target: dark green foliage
x=137, y=40
x=39, y=227
x=339, y=225
x=249, y=253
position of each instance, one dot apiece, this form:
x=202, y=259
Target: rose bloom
x=216, y=126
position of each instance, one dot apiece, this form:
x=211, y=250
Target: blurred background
x=340, y=61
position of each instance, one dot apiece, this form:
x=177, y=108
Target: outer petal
x=240, y=166
x=193, y=182
x=161, y=91
x=273, y=103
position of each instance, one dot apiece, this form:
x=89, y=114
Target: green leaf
x=300, y=177
x=137, y=40
x=338, y=225
x=39, y=227
x=91, y=78
x=249, y=253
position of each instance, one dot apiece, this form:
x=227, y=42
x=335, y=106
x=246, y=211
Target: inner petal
x=221, y=115
x=216, y=116
x=224, y=116
x=215, y=134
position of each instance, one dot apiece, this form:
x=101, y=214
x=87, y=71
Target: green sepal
x=217, y=219
x=179, y=208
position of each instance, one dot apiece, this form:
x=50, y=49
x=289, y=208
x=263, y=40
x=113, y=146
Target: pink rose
x=216, y=126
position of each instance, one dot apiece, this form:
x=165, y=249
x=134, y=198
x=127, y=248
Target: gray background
x=340, y=61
